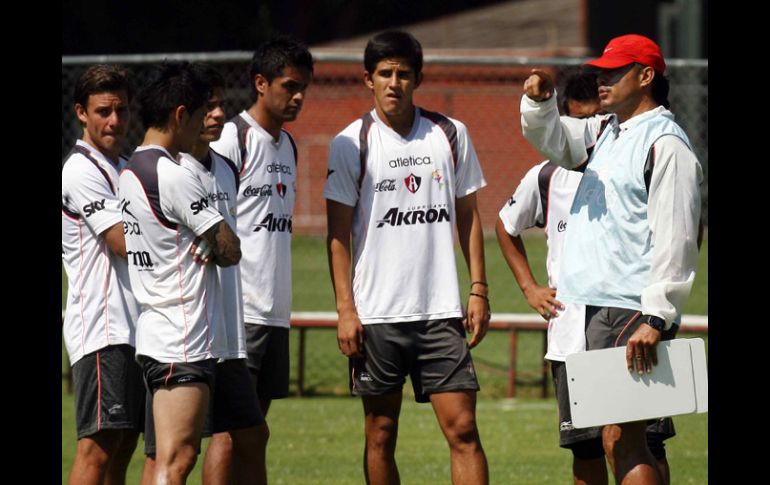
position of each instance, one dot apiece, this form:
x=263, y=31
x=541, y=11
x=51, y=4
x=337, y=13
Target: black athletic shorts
x=434, y=353
x=268, y=359
x=608, y=327
x=162, y=374
x=109, y=393
x=234, y=405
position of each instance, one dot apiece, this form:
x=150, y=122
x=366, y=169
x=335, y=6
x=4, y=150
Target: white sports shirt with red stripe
x=180, y=299
x=101, y=310
x=403, y=190
x=220, y=179
x=268, y=174
x=543, y=199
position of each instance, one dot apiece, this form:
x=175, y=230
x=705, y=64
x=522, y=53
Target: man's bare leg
x=456, y=414
x=179, y=414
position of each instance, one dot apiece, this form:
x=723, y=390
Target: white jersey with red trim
x=220, y=179
x=543, y=199
x=268, y=171
x=169, y=207
x=101, y=310
x=404, y=190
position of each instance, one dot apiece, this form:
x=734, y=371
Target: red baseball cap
x=622, y=51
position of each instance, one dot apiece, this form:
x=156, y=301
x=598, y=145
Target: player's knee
x=588, y=450
x=382, y=435
x=463, y=431
x=97, y=449
x=221, y=443
x=183, y=461
x=248, y=440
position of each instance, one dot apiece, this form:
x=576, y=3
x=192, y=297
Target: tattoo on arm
x=226, y=245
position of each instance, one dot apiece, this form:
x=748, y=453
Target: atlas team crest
x=281, y=188
x=412, y=182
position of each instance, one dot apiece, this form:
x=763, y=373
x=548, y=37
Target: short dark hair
x=581, y=86
x=391, y=44
x=272, y=57
x=660, y=88
x=101, y=78
x=210, y=74
x=169, y=85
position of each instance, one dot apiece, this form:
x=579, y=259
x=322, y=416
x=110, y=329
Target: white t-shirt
x=220, y=179
x=404, y=222
x=101, y=310
x=268, y=172
x=543, y=199
x=180, y=298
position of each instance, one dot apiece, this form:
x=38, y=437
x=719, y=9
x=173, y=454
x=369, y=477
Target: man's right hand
x=350, y=335
x=543, y=300
x=538, y=86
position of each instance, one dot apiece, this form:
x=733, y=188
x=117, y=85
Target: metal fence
x=482, y=92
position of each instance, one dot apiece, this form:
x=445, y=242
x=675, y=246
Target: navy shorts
x=434, y=353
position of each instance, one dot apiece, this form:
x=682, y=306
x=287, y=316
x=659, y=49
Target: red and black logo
x=412, y=182
x=281, y=188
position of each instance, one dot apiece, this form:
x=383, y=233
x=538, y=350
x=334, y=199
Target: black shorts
x=608, y=327
x=433, y=353
x=234, y=404
x=109, y=393
x=162, y=374
x=268, y=359
x=658, y=430
x=568, y=435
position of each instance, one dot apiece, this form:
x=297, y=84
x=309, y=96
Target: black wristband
x=655, y=322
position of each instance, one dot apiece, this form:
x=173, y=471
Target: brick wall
x=485, y=98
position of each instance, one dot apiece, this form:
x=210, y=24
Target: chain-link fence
x=482, y=92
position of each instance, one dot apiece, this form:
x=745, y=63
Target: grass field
x=318, y=440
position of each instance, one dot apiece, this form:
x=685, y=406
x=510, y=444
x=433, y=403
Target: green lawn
x=318, y=440
x=312, y=289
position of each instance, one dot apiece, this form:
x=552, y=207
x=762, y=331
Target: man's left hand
x=477, y=321
x=641, y=350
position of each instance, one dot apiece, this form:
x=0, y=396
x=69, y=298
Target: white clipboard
x=603, y=391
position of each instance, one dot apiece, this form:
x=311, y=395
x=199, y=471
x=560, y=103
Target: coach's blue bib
x=608, y=246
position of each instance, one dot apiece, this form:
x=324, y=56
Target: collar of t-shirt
x=631, y=122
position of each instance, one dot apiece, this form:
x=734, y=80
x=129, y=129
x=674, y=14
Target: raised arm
x=565, y=141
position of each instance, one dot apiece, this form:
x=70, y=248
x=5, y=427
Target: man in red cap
x=631, y=250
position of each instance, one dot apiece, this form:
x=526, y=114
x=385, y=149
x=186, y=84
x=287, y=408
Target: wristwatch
x=655, y=322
